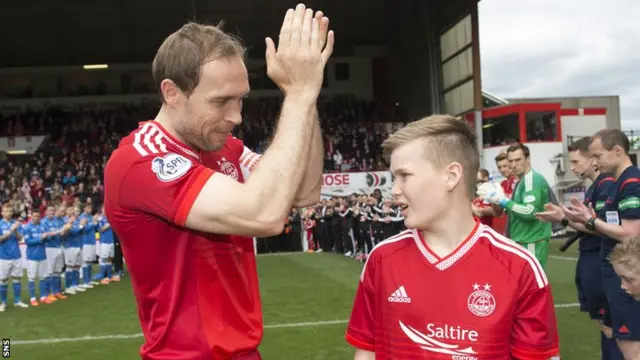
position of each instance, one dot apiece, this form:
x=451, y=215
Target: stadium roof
x=72, y=32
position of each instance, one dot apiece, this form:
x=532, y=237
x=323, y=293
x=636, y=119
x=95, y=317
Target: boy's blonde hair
x=447, y=139
x=627, y=254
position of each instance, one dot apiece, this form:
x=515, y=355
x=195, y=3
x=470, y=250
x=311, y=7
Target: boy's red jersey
x=489, y=299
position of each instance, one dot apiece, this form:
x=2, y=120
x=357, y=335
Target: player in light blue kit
x=73, y=250
x=106, y=247
x=88, y=246
x=35, y=236
x=55, y=259
x=10, y=259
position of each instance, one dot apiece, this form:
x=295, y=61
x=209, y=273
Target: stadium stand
x=68, y=168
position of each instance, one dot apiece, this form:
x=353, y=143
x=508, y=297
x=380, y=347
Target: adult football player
x=179, y=196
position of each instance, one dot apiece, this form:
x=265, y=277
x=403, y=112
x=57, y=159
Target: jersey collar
x=449, y=260
x=171, y=139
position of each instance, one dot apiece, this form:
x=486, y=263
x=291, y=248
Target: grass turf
x=316, y=289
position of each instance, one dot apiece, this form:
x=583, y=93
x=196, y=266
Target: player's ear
x=453, y=175
x=170, y=92
x=618, y=150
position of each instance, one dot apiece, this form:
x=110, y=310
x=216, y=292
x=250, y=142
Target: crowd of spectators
x=68, y=167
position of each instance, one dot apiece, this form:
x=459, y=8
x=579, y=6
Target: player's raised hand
x=304, y=47
x=551, y=213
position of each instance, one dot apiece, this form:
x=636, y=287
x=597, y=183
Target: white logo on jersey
x=481, y=302
x=228, y=168
x=170, y=167
x=431, y=340
x=529, y=199
x=400, y=296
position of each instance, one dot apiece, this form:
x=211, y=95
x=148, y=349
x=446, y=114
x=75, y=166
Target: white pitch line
x=568, y=258
x=138, y=335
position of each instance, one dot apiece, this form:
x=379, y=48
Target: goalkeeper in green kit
x=529, y=197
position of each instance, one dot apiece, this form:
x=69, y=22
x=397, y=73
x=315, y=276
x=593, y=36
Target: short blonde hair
x=447, y=139
x=627, y=254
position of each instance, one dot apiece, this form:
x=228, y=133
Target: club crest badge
x=481, y=302
x=227, y=168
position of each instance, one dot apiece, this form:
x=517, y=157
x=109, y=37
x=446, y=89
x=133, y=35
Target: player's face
x=480, y=179
x=519, y=163
x=419, y=187
x=504, y=167
x=629, y=280
x=581, y=165
x=214, y=107
x=60, y=211
x=7, y=212
x=35, y=217
x=606, y=161
x=49, y=212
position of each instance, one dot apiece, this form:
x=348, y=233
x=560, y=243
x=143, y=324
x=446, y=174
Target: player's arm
x=18, y=233
x=76, y=228
x=628, y=212
x=580, y=227
x=309, y=191
x=198, y=198
x=5, y=236
x=257, y=207
x=533, y=202
x=29, y=239
x=535, y=332
x=362, y=323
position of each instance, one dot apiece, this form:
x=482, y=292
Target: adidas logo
x=400, y=296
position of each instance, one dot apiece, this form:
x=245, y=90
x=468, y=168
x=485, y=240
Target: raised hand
x=577, y=211
x=304, y=47
x=551, y=213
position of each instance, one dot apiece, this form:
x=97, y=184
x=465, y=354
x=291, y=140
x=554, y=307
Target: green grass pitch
x=306, y=302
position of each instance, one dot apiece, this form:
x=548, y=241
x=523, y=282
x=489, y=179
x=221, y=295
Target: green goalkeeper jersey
x=529, y=197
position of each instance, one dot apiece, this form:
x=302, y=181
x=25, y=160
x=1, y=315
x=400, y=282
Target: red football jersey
x=509, y=185
x=488, y=300
x=197, y=293
x=487, y=220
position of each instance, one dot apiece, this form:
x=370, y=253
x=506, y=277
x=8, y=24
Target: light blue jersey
x=9, y=249
x=89, y=233
x=106, y=237
x=74, y=238
x=33, y=238
x=53, y=224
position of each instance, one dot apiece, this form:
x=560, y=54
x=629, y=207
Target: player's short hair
x=501, y=156
x=446, y=139
x=581, y=145
x=519, y=146
x=182, y=54
x=484, y=172
x=627, y=254
x=611, y=138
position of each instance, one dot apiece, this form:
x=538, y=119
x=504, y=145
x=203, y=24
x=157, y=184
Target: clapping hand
x=577, y=211
x=551, y=213
x=304, y=47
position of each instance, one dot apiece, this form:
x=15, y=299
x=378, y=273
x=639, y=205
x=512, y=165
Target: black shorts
x=591, y=295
